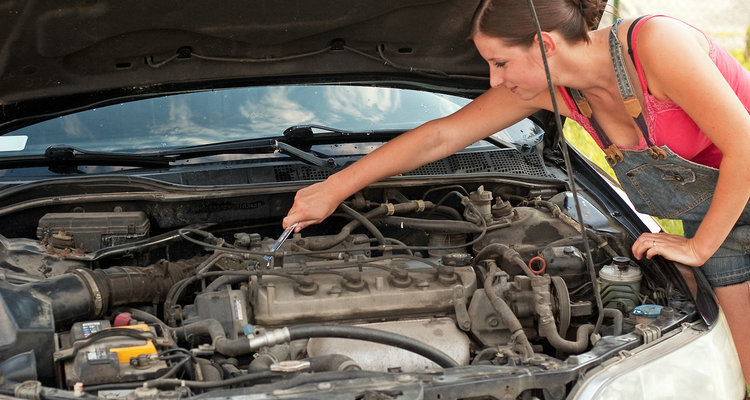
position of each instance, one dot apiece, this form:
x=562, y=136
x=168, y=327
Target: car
x=149, y=151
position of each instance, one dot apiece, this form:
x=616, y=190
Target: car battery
x=91, y=231
x=101, y=355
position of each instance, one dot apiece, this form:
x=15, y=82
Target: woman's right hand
x=312, y=205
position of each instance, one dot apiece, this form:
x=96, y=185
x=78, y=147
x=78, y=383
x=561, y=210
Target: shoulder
x=661, y=32
x=666, y=45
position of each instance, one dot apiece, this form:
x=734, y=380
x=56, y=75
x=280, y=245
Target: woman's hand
x=672, y=247
x=311, y=206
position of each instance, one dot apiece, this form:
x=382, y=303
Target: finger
x=639, y=248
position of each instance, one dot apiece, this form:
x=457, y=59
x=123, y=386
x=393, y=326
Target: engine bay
x=105, y=294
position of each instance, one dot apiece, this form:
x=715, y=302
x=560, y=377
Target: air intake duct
x=31, y=313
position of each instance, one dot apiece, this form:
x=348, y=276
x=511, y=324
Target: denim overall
x=665, y=185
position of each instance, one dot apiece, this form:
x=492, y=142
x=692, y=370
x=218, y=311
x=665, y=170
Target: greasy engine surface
x=472, y=275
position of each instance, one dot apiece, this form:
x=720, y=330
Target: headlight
x=695, y=363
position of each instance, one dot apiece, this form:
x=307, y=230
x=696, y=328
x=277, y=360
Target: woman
x=688, y=96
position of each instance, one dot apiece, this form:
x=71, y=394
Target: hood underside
x=87, y=51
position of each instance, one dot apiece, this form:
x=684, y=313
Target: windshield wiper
x=250, y=146
x=296, y=143
x=60, y=157
x=326, y=134
x=63, y=154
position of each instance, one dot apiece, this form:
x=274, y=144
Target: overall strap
x=621, y=74
x=632, y=105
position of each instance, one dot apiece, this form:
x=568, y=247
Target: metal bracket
x=649, y=332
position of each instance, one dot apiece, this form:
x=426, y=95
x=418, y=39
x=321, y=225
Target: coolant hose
x=616, y=316
x=505, y=313
x=288, y=334
x=332, y=362
x=213, y=328
x=549, y=330
x=268, y=356
x=547, y=326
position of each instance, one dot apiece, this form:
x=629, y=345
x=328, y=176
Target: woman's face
x=518, y=68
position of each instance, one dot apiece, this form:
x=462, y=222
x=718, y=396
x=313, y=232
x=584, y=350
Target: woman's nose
x=496, y=78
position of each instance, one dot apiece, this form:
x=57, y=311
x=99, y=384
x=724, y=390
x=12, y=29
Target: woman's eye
x=499, y=64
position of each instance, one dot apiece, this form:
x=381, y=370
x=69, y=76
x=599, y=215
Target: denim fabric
x=676, y=188
x=730, y=264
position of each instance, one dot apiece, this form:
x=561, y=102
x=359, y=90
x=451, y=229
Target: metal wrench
x=282, y=238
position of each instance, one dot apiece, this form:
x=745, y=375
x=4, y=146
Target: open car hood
x=59, y=55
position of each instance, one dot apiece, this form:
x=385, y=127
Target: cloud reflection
x=362, y=103
x=274, y=111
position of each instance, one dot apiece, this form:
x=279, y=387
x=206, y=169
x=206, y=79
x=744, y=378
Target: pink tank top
x=668, y=124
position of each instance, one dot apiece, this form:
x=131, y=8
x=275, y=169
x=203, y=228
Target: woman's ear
x=549, y=41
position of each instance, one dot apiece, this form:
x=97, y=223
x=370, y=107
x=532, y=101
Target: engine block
x=380, y=292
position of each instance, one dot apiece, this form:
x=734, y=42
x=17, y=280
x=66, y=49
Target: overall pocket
x=670, y=190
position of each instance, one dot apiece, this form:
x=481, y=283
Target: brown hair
x=511, y=20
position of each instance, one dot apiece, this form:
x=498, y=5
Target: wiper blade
x=306, y=130
x=326, y=134
x=69, y=156
x=73, y=155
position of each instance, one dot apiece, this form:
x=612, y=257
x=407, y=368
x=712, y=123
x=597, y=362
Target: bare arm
x=493, y=111
x=677, y=66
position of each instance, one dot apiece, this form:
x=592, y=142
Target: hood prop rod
x=569, y=170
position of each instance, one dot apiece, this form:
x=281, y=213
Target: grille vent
x=507, y=161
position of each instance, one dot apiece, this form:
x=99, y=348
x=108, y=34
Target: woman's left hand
x=672, y=247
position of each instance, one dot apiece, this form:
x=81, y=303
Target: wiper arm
x=251, y=146
x=306, y=156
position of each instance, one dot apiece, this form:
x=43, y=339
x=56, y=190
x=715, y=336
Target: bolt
x=493, y=322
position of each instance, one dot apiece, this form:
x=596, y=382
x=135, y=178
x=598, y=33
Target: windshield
x=230, y=114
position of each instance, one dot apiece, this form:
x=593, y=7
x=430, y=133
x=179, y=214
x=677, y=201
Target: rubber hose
x=217, y=283
x=365, y=222
x=582, y=338
x=616, y=316
x=332, y=362
x=209, y=371
x=506, y=254
x=547, y=326
x=373, y=335
x=213, y=328
x=504, y=311
x=431, y=225
x=383, y=209
x=271, y=355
